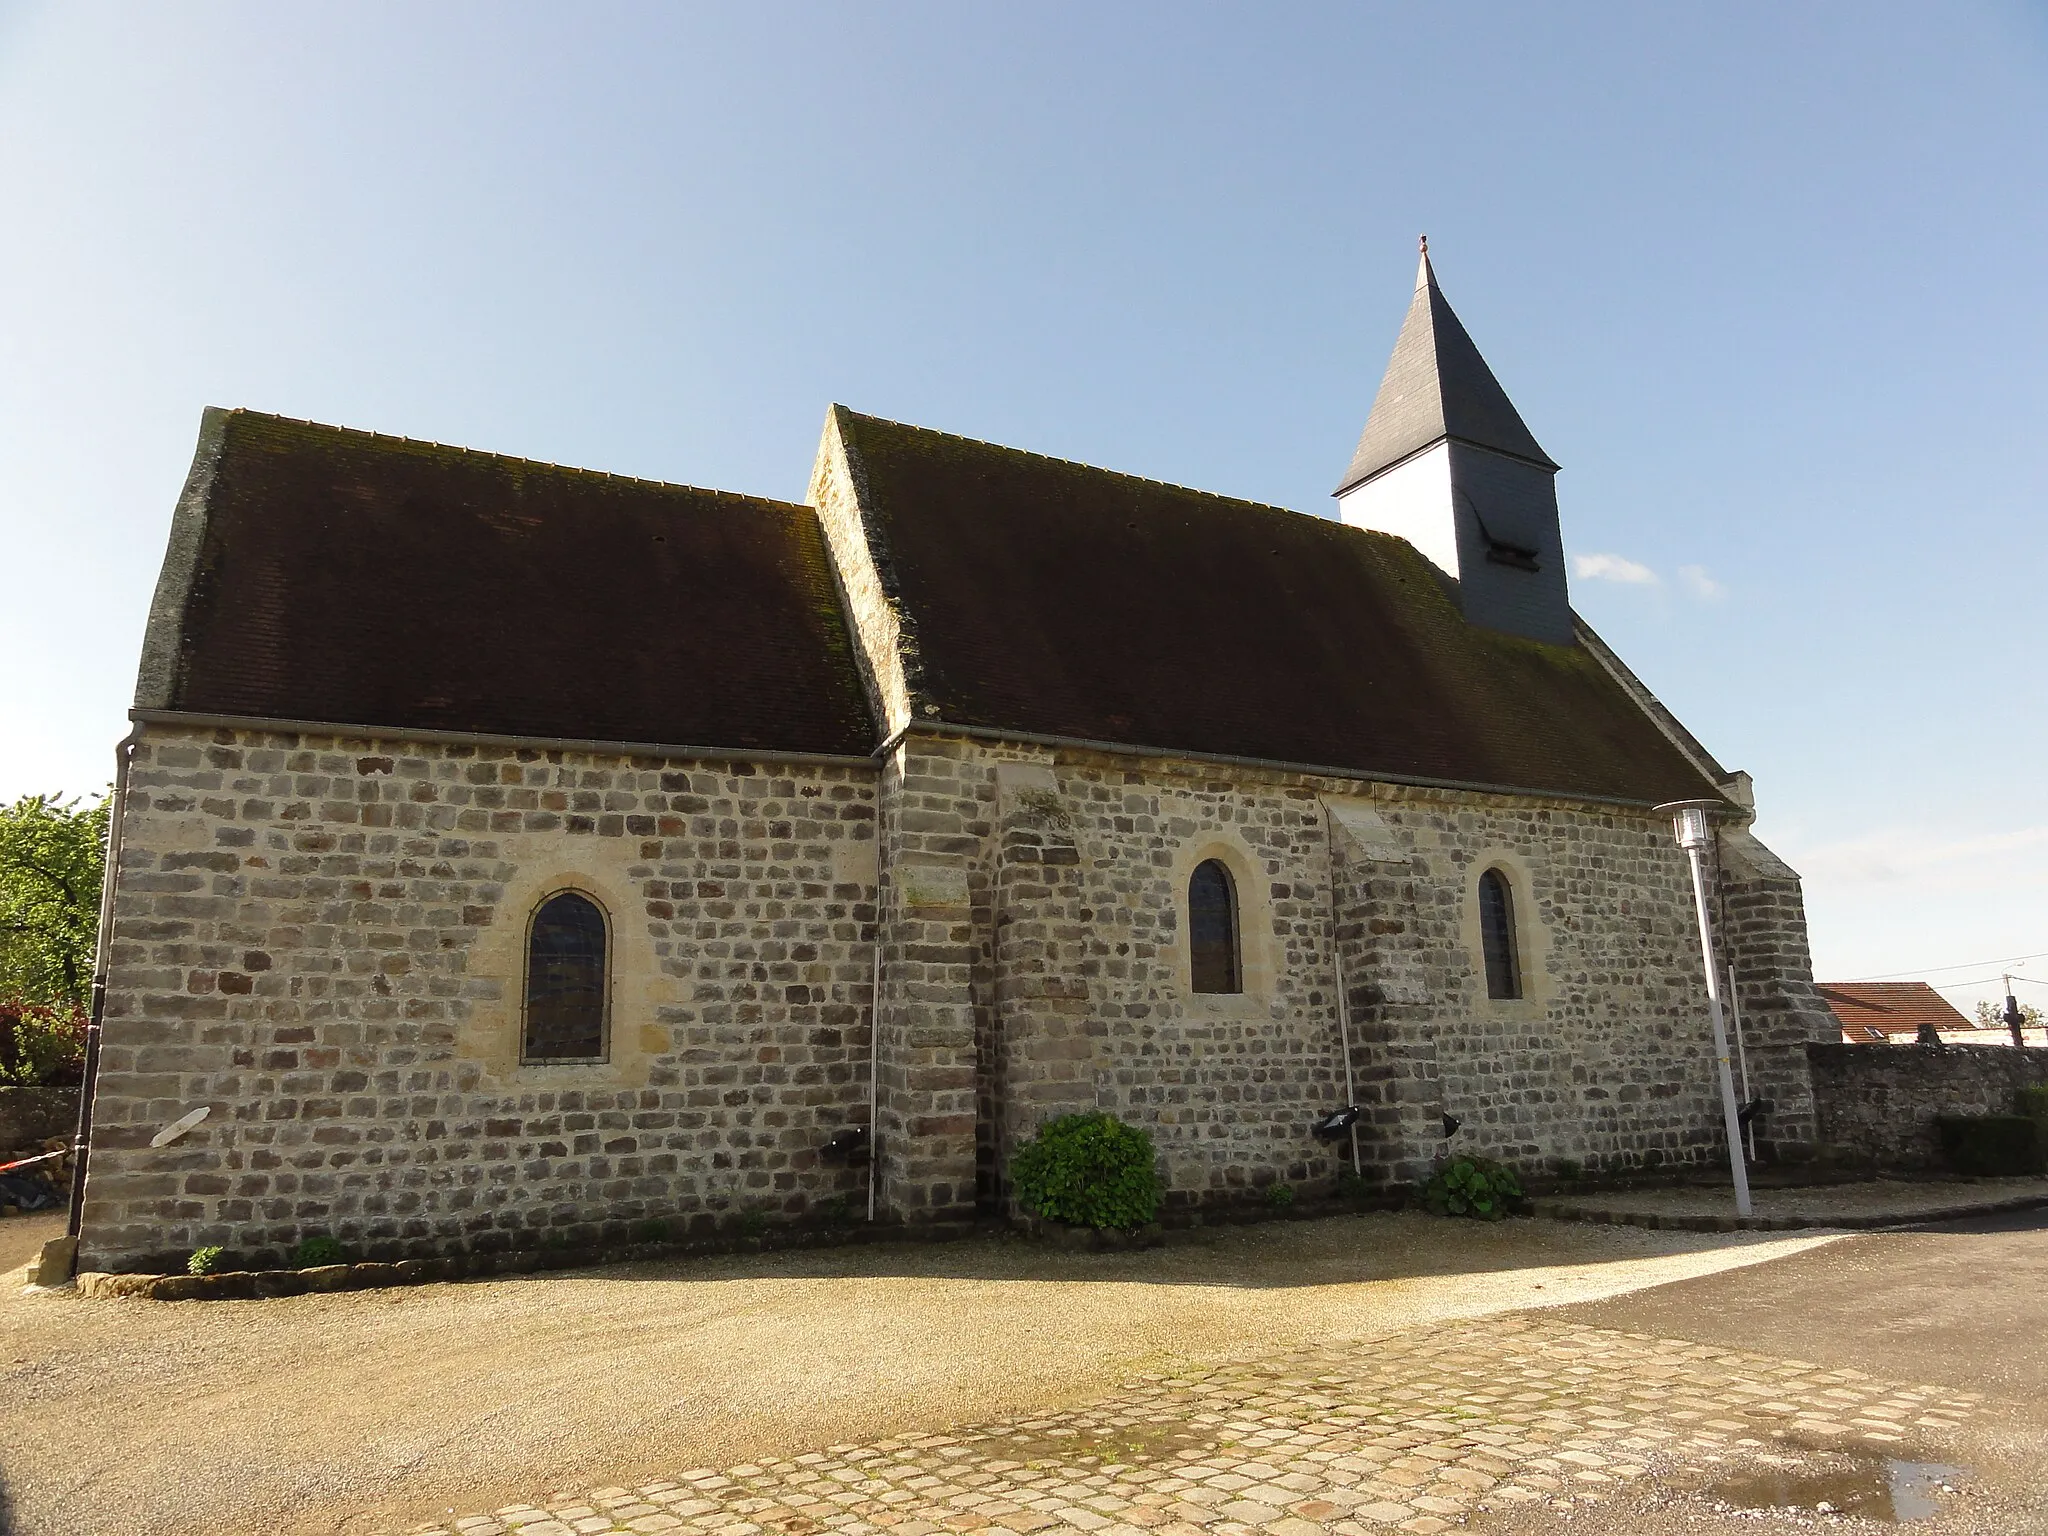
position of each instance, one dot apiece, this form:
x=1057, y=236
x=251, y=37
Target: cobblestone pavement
x=1409, y=1433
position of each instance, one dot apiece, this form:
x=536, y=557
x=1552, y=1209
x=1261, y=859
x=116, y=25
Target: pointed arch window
x=1212, y=929
x=1497, y=936
x=567, y=952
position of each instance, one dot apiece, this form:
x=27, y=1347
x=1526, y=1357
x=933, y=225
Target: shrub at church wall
x=1088, y=1171
x=1473, y=1186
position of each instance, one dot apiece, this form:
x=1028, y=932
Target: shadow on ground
x=1254, y=1256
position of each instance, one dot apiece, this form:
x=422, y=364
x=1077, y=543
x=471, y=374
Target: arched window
x=565, y=980
x=1212, y=929
x=1497, y=936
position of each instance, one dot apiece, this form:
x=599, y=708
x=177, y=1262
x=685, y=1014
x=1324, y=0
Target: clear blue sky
x=1768, y=280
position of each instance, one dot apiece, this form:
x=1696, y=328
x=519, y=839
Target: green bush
x=837, y=1211
x=316, y=1251
x=204, y=1261
x=1088, y=1171
x=1472, y=1186
x=2033, y=1103
x=1990, y=1146
x=1350, y=1186
x=652, y=1231
x=41, y=1044
x=1279, y=1196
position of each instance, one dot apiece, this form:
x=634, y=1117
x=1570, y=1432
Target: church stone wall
x=1058, y=965
x=1761, y=929
x=322, y=940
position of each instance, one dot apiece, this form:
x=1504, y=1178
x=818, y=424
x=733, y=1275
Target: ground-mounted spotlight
x=1451, y=1124
x=1337, y=1122
x=1751, y=1112
x=850, y=1146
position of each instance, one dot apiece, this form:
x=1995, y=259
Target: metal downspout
x=1343, y=992
x=103, y=948
x=886, y=751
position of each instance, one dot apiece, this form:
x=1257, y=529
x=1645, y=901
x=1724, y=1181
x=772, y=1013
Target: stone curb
x=261, y=1284
x=1675, y=1222
x=242, y=1285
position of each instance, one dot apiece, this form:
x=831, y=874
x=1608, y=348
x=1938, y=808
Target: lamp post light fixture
x=1689, y=823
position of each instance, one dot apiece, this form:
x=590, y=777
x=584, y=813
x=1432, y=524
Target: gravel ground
x=1817, y=1205
x=361, y=1411
x=22, y=1237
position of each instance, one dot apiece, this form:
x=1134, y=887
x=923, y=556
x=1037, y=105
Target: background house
x=1893, y=1012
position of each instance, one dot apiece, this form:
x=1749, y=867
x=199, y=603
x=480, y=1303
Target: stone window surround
x=1256, y=958
x=1531, y=941
x=604, y=1033
x=493, y=1038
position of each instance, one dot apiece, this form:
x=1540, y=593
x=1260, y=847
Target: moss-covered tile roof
x=1051, y=598
x=323, y=574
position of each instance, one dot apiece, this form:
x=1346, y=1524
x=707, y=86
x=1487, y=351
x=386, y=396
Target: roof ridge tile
x=495, y=456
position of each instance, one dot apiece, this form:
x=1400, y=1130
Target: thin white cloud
x=1700, y=584
x=1904, y=853
x=1614, y=568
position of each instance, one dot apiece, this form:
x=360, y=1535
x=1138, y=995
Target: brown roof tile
x=323, y=574
x=1882, y=1009
x=1051, y=598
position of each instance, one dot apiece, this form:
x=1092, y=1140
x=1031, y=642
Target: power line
x=1967, y=965
x=1957, y=986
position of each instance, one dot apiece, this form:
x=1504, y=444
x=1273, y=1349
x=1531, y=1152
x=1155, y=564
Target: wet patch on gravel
x=1888, y=1489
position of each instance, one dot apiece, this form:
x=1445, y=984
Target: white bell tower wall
x=1412, y=500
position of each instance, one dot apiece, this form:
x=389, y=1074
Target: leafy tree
x=41, y=1043
x=1992, y=1015
x=52, y=859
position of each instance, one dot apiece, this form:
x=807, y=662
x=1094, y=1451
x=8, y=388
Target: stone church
x=511, y=854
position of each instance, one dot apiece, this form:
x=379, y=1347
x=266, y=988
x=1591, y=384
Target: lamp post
x=1689, y=823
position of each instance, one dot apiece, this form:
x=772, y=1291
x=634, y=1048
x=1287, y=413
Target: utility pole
x=2014, y=1019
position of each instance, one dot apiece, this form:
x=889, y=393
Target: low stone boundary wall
x=32, y=1116
x=1877, y=1103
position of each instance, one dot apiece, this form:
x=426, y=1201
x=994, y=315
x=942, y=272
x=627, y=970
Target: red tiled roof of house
x=1884, y=1010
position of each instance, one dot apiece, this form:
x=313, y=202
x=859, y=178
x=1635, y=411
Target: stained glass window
x=1212, y=928
x=1497, y=936
x=565, y=981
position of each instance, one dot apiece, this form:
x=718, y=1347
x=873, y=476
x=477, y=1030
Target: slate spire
x=1447, y=464
x=1437, y=386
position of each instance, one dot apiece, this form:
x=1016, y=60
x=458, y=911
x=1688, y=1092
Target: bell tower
x=1446, y=462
